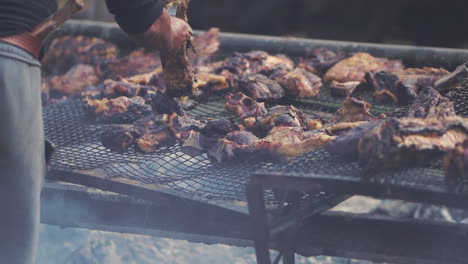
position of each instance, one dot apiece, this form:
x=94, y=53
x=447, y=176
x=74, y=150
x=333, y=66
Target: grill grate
x=79, y=149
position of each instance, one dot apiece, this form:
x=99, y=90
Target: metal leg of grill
x=258, y=215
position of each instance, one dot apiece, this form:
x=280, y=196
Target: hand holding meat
x=167, y=33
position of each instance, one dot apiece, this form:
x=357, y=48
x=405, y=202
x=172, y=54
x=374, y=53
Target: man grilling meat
x=22, y=164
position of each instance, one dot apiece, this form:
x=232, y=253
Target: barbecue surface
x=79, y=150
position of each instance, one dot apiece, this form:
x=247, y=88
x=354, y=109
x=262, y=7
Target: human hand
x=167, y=34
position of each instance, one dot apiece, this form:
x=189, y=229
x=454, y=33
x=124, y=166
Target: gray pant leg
x=21, y=155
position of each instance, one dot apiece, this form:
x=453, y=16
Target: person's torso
x=18, y=16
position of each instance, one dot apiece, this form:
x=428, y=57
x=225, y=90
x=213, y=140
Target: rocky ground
x=80, y=246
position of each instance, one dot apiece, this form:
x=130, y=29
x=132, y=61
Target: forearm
x=135, y=16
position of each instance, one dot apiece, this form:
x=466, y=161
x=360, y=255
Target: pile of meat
x=129, y=95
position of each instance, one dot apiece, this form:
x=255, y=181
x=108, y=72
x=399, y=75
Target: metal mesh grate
x=321, y=164
x=79, y=149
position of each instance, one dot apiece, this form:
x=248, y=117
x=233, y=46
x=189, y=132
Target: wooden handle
x=58, y=18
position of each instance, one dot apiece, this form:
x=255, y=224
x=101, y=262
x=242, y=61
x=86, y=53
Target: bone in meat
x=119, y=110
x=244, y=106
x=178, y=73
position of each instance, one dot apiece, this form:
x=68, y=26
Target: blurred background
x=415, y=22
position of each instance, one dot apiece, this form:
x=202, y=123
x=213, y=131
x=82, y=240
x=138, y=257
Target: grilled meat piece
x=119, y=138
x=243, y=64
x=430, y=103
x=403, y=86
x=261, y=88
x=354, y=68
x=353, y=109
x=137, y=62
x=288, y=116
x=320, y=60
x=154, y=139
x=74, y=81
x=209, y=82
x=300, y=83
x=288, y=142
x=343, y=89
x=398, y=143
x=244, y=106
x=454, y=81
x=151, y=123
x=177, y=70
x=456, y=163
x=112, y=89
x=65, y=52
x=346, y=144
x=206, y=46
x=236, y=145
x=119, y=110
x=180, y=124
x=163, y=104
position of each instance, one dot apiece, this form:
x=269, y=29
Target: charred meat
x=236, y=145
x=346, y=144
x=398, y=143
x=137, y=62
x=430, y=103
x=206, y=45
x=262, y=88
x=119, y=138
x=300, y=83
x=119, y=110
x=65, y=52
x=288, y=142
x=354, y=68
x=320, y=60
x=353, y=109
x=403, y=86
x=154, y=139
x=456, y=163
x=74, y=81
x=244, y=106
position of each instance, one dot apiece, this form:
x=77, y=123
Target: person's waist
x=25, y=41
x=8, y=50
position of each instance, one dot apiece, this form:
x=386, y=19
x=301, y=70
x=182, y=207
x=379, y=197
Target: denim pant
x=22, y=165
